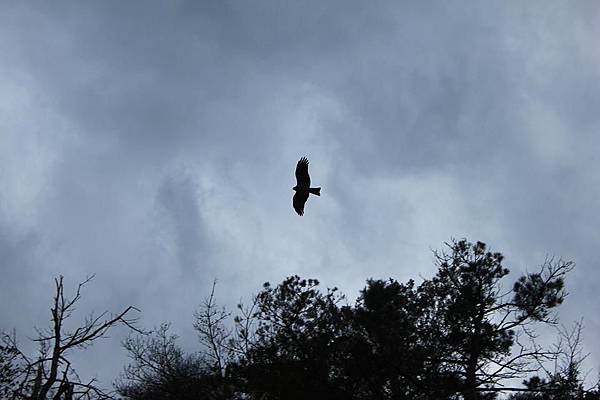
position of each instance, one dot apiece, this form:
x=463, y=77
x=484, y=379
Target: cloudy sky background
x=154, y=144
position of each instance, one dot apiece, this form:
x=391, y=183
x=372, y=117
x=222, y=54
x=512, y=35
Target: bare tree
x=246, y=323
x=216, y=337
x=50, y=374
x=160, y=369
x=212, y=332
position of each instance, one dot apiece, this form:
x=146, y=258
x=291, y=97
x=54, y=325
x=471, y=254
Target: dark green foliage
x=393, y=328
x=10, y=371
x=450, y=337
x=558, y=387
x=534, y=294
x=564, y=382
x=299, y=343
x=476, y=322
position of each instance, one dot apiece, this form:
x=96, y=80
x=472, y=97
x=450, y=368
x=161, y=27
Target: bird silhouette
x=302, y=188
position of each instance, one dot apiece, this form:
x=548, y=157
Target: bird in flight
x=302, y=188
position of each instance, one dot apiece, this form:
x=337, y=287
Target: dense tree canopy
x=459, y=335
x=467, y=333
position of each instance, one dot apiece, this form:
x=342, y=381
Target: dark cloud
x=154, y=145
x=178, y=198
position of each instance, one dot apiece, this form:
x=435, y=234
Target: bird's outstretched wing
x=299, y=200
x=302, y=177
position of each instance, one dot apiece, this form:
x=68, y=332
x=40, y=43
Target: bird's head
x=295, y=188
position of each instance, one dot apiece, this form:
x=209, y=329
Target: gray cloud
x=154, y=145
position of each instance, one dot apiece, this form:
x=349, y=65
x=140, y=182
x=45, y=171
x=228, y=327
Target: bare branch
x=51, y=373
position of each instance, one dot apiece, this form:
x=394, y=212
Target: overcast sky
x=154, y=144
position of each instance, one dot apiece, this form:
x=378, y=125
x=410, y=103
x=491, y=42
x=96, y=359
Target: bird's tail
x=316, y=191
